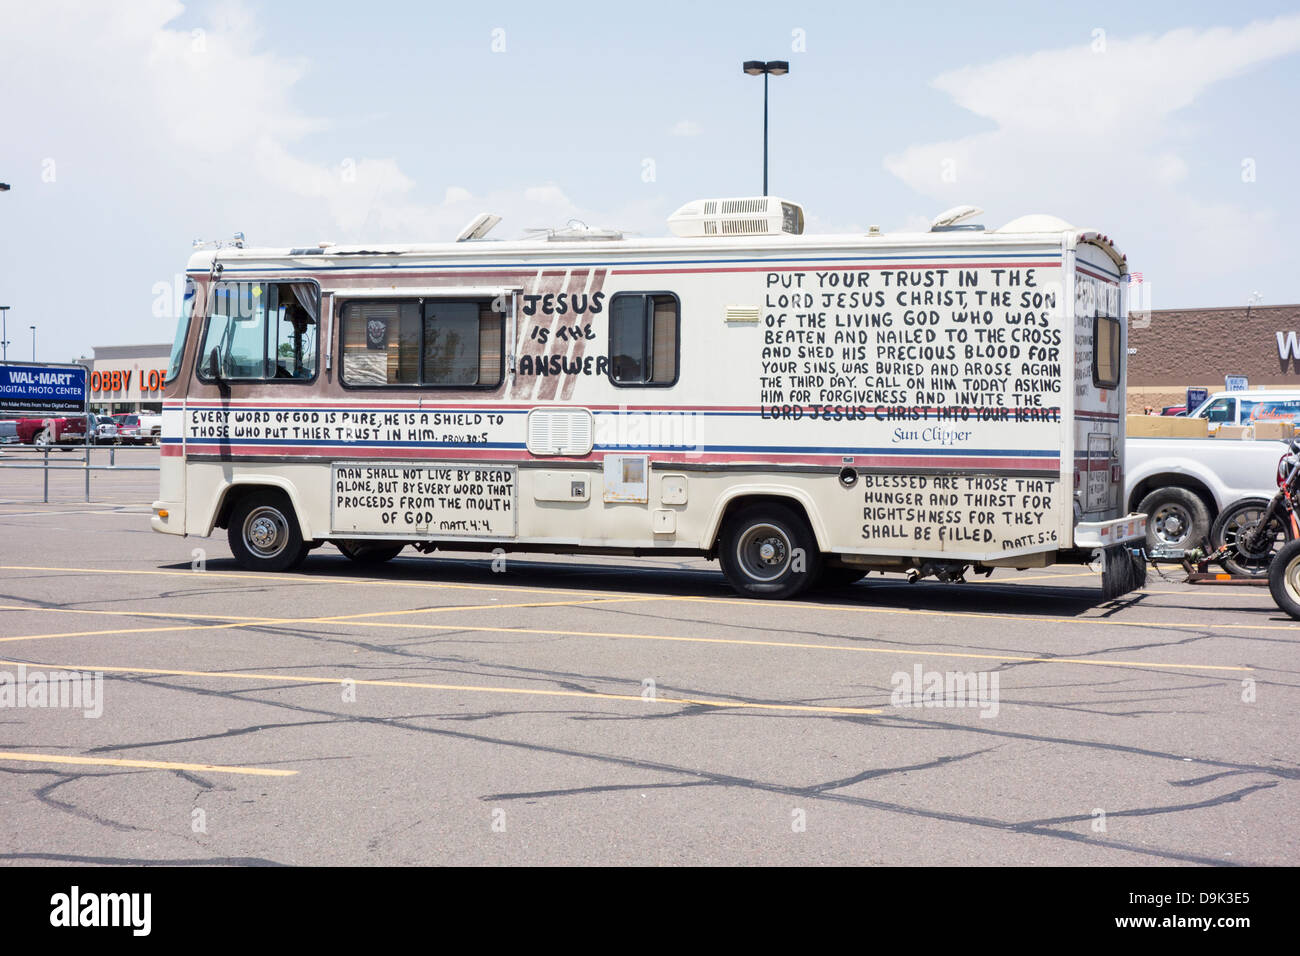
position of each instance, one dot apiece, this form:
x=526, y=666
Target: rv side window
x=1106, y=350
x=261, y=331
x=437, y=343
x=643, y=339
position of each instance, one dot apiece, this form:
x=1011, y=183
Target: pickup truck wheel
x=263, y=533
x=1233, y=524
x=768, y=551
x=1284, y=578
x=369, y=554
x=43, y=440
x=1177, y=519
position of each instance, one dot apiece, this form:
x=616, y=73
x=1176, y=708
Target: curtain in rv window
x=437, y=343
x=643, y=339
x=262, y=331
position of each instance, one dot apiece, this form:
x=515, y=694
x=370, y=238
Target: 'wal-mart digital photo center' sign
x=42, y=388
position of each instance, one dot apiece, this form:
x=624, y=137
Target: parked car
x=1175, y=410
x=1243, y=408
x=128, y=429
x=104, y=430
x=151, y=427
x=1184, y=485
x=9, y=433
x=49, y=431
x=70, y=429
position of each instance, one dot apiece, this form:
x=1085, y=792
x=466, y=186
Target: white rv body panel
x=918, y=397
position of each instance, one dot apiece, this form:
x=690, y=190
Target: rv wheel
x=263, y=533
x=768, y=551
x=369, y=554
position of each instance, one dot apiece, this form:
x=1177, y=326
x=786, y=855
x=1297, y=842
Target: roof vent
x=478, y=227
x=752, y=216
x=576, y=231
x=951, y=220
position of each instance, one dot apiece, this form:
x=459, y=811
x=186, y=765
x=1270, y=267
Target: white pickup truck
x=1184, y=485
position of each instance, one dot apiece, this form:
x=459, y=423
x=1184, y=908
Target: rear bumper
x=1104, y=534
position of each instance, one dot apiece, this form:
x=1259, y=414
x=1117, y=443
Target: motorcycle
x=1250, y=534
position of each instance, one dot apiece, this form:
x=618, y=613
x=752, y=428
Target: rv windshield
x=182, y=330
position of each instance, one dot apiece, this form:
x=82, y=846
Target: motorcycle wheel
x=1232, y=527
x=1284, y=578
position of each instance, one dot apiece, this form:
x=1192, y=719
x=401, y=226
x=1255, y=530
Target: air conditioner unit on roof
x=753, y=216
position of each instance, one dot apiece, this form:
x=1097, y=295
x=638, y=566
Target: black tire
x=839, y=577
x=1177, y=519
x=768, y=551
x=1233, y=523
x=1284, y=578
x=369, y=554
x=43, y=439
x=264, y=534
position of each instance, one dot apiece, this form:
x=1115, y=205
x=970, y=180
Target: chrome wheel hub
x=265, y=532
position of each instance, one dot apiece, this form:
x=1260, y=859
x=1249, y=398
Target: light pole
x=4, y=333
x=33, y=328
x=766, y=69
x=1255, y=298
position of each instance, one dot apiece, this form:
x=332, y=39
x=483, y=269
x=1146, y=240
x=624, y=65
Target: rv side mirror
x=214, y=364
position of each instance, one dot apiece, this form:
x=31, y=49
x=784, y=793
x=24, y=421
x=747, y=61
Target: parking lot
x=583, y=710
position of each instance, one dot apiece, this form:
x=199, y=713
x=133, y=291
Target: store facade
x=1171, y=350
x=127, y=378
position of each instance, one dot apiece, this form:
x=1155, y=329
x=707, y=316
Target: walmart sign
x=43, y=388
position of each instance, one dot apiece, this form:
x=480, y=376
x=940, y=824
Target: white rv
x=804, y=408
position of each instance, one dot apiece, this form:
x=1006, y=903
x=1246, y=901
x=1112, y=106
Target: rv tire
x=768, y=551
x=263, y=532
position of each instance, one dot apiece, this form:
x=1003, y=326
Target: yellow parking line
x=145, y=764
x=310, y=579
x=235, y=622
x=983, y=615
x=470, y=688
x=106, y=613
x=1099, y=662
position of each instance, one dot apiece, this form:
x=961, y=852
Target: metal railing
x=82, y=463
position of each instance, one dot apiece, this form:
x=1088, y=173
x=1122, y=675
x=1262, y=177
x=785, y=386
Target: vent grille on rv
x=760, y=216
x=560, y=431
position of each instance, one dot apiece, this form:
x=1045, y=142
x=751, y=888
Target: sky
x=130, y=128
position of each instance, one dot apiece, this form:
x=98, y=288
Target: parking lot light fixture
x=765, y=69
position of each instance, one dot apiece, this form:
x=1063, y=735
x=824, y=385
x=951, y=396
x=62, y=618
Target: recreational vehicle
x=803, y=408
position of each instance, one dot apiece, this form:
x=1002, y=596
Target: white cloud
x=1079, y=133
x=687, y=128
x=161, y=133
x=550, y=194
